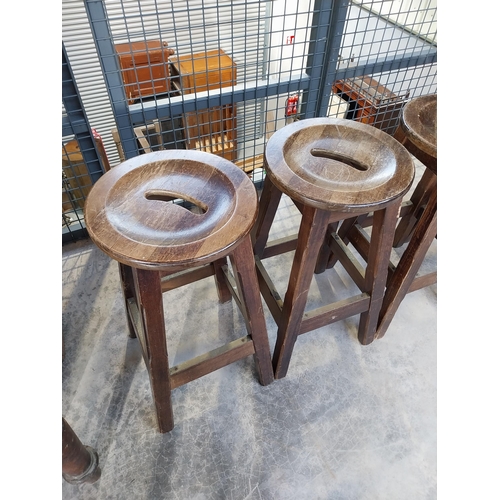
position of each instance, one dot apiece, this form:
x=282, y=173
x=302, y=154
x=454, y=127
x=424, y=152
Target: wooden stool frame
x=335, y=171
x=403, y=276
x=417, y=226
x=312, y=249
x=143, y=290
x=161, y=245
x=417, y=133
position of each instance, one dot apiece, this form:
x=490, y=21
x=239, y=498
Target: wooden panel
x=181, y=278
x=251, y=164
x=267, y=289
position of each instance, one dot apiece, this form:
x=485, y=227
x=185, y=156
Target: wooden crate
x=145, y=68
x=213, y=129
x=374, y=104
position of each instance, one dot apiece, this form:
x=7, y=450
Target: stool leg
x=268, y=205
x=419, y=199
x=311, y=236
x=409, y=264
x=327, y=259
x=377, y=268
x=150, y=303
x=127, y=282
x=223, y=291
x=80, y=463
x=247, y=284
x=325, y=253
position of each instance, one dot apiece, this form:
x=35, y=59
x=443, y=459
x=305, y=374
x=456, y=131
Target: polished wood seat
x=170, y=218
x=334, y=170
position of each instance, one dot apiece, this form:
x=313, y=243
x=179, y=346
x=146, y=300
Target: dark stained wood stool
x=418, y=223
x=333, y=170
x=133, y=214
x=418, y=133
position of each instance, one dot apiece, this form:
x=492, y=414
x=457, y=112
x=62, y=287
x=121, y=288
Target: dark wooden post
x=80, y=463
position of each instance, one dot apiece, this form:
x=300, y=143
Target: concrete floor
x=348, y=421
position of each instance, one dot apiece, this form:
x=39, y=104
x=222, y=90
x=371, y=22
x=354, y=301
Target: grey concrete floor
x=348, y=421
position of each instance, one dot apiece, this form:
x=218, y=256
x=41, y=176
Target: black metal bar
x=67, y=129
x=339, y=17
x=429, y=56
x=172, y=106
x=318, y=53
x=101, y=32
x=78, y=121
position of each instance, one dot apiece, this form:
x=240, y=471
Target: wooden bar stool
x=418, y=223
x=418, y=133
x=333, y=170
x=133, y=215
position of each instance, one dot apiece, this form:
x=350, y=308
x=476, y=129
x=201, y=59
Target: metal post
x=111, y=70
x=339, y=17
x=78, y=121
x=320, y=35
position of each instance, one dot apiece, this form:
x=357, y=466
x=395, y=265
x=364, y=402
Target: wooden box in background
x=370, y=102
x=214, y=129
x=76, y=181
x=144, y=68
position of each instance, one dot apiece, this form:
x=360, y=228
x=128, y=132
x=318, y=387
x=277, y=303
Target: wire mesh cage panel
x=389, y=35
x=84, y=157
x=75, y=186
x=77, y=181
x=223, y=76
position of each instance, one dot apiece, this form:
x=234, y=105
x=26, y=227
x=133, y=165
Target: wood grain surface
x=129, y=213
x=338, y=165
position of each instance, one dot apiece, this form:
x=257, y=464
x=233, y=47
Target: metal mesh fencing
x=83, y=156
x=223, y=76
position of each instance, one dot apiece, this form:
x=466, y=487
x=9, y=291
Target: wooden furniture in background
x=144, y=68
x=155, y=136
x=75, y=176
x=252, y=163
x=162, y=245
x=143, y=135
x=212, y=130
x=330, y=179
x=370, y=102
x=248, y=165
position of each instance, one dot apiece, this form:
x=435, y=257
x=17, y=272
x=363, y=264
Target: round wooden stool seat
x=419, y=123
x=171, y=218
x=338, y=165
x=131, y=217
